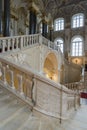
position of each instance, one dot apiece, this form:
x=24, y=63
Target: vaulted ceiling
x=53, y=7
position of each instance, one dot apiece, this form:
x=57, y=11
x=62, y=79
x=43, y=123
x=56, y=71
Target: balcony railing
x=8, y=44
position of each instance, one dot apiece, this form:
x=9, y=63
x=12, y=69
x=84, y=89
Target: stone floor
x=15, y=115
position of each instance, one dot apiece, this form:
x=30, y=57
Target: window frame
x=77, y=20
x=58, y=25
x=74, y=52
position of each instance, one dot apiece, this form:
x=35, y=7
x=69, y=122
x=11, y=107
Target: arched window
x=59, y=42
x=59, y=24
x=77, y=20
x=77, y=46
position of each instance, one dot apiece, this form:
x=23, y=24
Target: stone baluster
x=3, y=45
x=21, y=84
x=33, y=39
x=30, y=40
x=12, y=79
x=33, y=96
x=17, y=43
x=27, y=40
x=13, y=41
x=21, y=42
x=4, y=74
x=8, y=44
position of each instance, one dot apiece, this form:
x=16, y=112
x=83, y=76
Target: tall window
x=77, y=20
x=59, y=42
x=77, y=46
x=59, y=24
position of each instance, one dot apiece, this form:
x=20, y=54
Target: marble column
x=33, y=20
x=51, y=35
x=6, y=17
x=0, y=17
x=44, y=29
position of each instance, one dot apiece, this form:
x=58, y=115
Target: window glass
x=59, y=24
x=78, y=20
x=77, y=46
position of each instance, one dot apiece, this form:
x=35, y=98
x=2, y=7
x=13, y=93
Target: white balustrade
x=20, y=42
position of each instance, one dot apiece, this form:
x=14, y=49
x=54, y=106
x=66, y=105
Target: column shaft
x=0, y=17
x=44, y=29
x=51, y=35
x=6, y=17
x=32, y=22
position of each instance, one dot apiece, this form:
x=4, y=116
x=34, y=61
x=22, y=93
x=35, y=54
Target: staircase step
x=11, y=108
x=14, y=121
x=16, y=115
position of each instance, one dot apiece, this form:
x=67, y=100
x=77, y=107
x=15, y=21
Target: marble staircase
x=16, y=115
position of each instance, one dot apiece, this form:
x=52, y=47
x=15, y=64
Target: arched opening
x=51, y=67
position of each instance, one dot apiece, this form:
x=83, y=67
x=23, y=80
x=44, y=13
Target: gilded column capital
x=33, y=7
